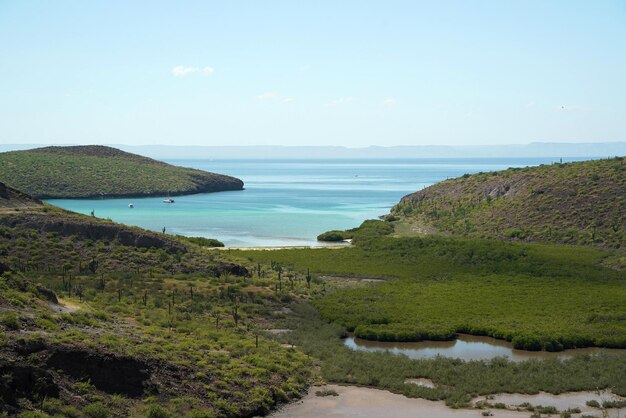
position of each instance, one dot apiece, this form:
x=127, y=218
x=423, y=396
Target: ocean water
x=288, y=203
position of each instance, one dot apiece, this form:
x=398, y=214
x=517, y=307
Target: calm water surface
x=288, y=202
x=467, y=347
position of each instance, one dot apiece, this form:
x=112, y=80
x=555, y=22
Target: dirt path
x=65, y=306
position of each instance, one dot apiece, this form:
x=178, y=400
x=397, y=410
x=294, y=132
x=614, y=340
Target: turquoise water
x=288, y=202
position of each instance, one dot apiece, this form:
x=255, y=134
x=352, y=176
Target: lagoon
x=468, y=347
x=288, y=202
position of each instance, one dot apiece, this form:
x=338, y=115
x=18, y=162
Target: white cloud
x=341, y=101
x=182, y=71
x=268, y=95
x=274, y=95
x=390, y=102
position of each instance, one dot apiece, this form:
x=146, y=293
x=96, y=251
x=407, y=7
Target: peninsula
x=99, y=171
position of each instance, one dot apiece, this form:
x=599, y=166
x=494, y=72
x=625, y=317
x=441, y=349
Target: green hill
x=95, y=171
x=574, y=203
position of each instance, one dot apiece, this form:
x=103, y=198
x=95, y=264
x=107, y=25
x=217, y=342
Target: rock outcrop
x=11, y=198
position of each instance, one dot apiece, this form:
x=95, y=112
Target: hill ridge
x=89, y=171
x=573, y=203
x=102, y=151
x=11, y=198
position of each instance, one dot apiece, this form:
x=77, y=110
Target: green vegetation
x=539, y=296
x=456, y=381
x=202, y=242
x=367, y=230
x=60, y=242
x=195, y=335
x=326, y=392
x=96, y=171
x=574, y=203
x=181, y=329
x=177, y=329
x=335, y=236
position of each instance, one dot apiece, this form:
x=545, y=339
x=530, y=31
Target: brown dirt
x=373, y=403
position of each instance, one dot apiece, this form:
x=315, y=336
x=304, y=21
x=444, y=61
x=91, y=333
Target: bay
x=288, y=202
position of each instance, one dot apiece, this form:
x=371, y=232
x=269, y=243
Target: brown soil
x=373, y=403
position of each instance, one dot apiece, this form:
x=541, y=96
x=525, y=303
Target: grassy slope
x=537, y=295
x=94, y=171
x=186, y=317
x=50, y=239
x=575, y=203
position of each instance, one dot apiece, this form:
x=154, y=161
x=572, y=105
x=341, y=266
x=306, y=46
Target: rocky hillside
x=99, y=319
x=574, y=203
x=38, y=237
x=99, y=171
x=11, y=199
x=102, y=343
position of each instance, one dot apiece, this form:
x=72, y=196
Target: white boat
x=168, y=201
x=130, y=205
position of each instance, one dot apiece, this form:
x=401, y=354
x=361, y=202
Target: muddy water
x=467, y=347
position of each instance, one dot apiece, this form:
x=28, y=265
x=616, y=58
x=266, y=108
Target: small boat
x=130, y=205
x=168, y=201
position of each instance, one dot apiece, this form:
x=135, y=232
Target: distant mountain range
x=534, y=149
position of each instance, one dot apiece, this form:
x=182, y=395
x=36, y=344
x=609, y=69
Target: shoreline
x=284, y=247
x=159, y=194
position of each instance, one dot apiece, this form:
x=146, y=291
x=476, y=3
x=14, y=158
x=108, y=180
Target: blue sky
x=351, y=73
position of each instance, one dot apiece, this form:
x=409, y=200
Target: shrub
x=200, y=414
x=56, y=407
x=326, y=392
x=10, y=321
x=32, y=414
x=333, y=236
x=156, y=411
x=96, y=410
x=84, y=387
x=546, y=409
x=526, y=342
x=203, y=242
x=614, y=404
x=593, y=403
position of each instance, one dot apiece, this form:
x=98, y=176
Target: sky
x=351, y=73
